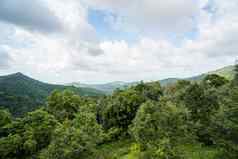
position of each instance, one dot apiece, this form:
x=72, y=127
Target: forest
x=185, y=120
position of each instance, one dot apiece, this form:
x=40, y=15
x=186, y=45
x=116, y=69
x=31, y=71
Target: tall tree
x=159, y=127
x=236, y=73
x=63, y=105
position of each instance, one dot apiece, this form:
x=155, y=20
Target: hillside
x=108, y=88
x=227, y=72
x=21, y=94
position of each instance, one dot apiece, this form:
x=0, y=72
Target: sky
x=99, y=41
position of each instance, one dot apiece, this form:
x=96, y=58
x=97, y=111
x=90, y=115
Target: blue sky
x=97, y=19
x=98, y=41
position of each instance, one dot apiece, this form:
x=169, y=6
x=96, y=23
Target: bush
x=160, y=127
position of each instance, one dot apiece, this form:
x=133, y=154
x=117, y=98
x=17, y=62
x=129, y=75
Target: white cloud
x=33, y=15
x=77, y=54
x=151, y=16
x=5, y=58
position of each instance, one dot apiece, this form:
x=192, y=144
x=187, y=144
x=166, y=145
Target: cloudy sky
x=97, y=41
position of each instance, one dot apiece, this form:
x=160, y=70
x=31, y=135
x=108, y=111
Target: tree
x=68, y=143
x=10, y=147
x=214, y=80
x=225, y=125
x=160, y=126
x=175, y=92
x=63, y=105
x=5, y=119
x=73, y=138
x=203, y=104
x=120, y=109
x=28, y=135
x=235, y=81
x=152, y=90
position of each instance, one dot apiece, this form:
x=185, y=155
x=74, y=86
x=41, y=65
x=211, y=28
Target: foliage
x=5, y=119
x=29, y=135
x=159, y=127
x=202, y=103
x=214, y=80
x=225, y=125
x=120, y=109
x=72, y=138
x=235, y=81
x=21, y=94
x=185, y=120
x=63, y=105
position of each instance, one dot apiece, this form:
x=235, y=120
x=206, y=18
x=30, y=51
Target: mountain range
x=108, y=88
x=20, y=93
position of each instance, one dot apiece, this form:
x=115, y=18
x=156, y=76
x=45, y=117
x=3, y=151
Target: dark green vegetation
x=184, y=120
x=21, y=94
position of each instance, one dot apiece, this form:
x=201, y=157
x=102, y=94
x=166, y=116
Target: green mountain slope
x=21, y=94
x=227, y=72
x=108, y=88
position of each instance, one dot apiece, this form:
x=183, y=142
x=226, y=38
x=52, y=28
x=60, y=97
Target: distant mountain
x=168, y=81
x=107, y=87
x=110, y=87
x=227, y=72
x=20, y=93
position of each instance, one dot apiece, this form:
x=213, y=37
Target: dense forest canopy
x=185, y=120
x=21, y=94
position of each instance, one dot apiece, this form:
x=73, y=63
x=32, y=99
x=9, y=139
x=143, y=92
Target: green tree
x=152, y=90
x=225, y=125
x=175, y=92
x=73, y=138
x=63, y=105
x=68, y=143
x=120, y=109
x=116, y=112
x=214, y=80
x=5, y=119
x=159, y=127
x=11, y=147
x=235, y=81
x=201, y=102
x=30, y=135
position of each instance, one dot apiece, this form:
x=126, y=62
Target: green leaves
x=72, y=138
x=214, y=80
x=63, y=105
x=159, y=127
x=28, y=135
x=120, y=109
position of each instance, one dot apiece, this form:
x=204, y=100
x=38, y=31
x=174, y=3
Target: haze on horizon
x=99, y=41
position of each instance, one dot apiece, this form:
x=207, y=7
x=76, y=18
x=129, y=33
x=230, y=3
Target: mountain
x=226, y=72
x=20, y=93
x=168, y=81
x=108, y=88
